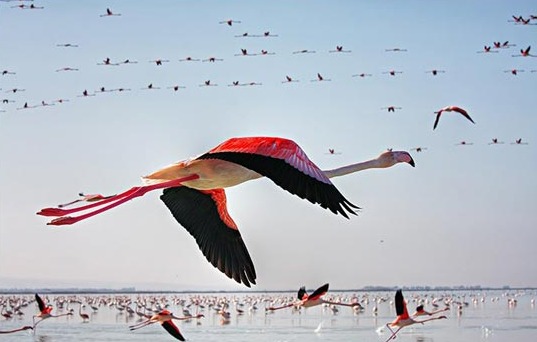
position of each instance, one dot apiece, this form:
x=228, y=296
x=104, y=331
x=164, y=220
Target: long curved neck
x=345, y=170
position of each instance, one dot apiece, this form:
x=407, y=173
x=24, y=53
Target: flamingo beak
x=411, y=162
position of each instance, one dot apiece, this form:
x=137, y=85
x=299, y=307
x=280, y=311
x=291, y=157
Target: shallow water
x=483, y=316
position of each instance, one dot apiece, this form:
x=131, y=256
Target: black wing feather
x=173, y=330
x=301, y=292
x=291, y=179
x=399, y=303
x=319, y=291
x=40, y=302
x=222, y=246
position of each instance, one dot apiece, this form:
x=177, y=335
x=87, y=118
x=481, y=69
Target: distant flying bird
x=339, y=48
x=208, y=84
x=362, y=75
x=189, y=59
x=7, y=72
x=268, y=34
x=14, y=90
x=109, y=13
x=66, y=69
x=306, y=300
x=504, y=45
x=244, y=52
x=396, y=50
x=495, y=142
x=67, y=45
x=230, y=22
x=392, y=72
x=107, y=61
x=332, y=151
x=436, y=72
x=176, y=87
x=487, y=49
x=525, y=53
x=128, y=61
x=159, y=61
x=45, y=311
x=451, y=109
x=85, y=198
x=514, y=71
x=320, y=78
x=519, y=142
x=420, y=311
x=265, y=52
x=212, y=59
x=289, y=79
x=403, y=318
x=302, y=51
x=150, y=86
x=194, y=193
x=391, y=108
x=464, y=143
x=165, y=318
x=418, y=149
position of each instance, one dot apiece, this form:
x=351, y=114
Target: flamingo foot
x=61, y=221
x=52, y=212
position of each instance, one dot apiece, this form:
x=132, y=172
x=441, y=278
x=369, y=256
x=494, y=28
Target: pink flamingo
x=289, y=79
x=525, y=53
x=45, y=311
x=514, y=71
x=418, y=149
x=362, y=75
x=339, y=48
x=302, y=51
x=487, y=49
x=519, y=142
x=189, y=59
x=320, y=78
x=420, y=311
x=194, y=193
x=229, y=22
x=391, y=108
x=165, y=318
x=306, y=300
x=464, y=143
x=451, y=109
x=109, y=13
x=495, y=142
x=436, y=72
x=392, y=72
x=403, y=319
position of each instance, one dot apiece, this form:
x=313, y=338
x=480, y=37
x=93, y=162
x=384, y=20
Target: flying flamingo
x=26, y=327
x=7, y=72
x=208, y=84
x=519, y=142
x=189, y=59
x=176, y=87
x=514, y=71
x=525, y=53
x=362, y=75
x=392, y=72
x=339, y=48
x=391, y=108
x=67, y=45
x=289, y=79
x=229, y=22
x=313, y=299
x=333, y=151
x=45, y=311
x=212, y=59
x=436, y=72
x=109, y=13
x=464, y=143
x=420, y=311
x=320, y=78
x=302, y=51
x=165, y=318
x=487, y=49
x=451, y=109
x=66, y=69
x=418, y=149
x=495, y=142
x=396, y=50
x=403, y=319
x=194, y=192
x=159, y=61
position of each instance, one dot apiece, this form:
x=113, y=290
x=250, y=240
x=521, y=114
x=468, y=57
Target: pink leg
x=393, y=336
x=118, y=200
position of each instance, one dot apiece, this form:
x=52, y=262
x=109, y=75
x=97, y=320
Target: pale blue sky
x=464, y=215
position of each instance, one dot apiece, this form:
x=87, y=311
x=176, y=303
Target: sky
x=465, y=215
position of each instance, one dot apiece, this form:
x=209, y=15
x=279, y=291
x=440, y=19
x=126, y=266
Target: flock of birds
x=150, y=309
x=193, y=190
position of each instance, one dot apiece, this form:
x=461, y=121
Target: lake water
x=491, y=316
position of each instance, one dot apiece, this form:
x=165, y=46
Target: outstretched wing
x=173, y=330
x=205, y=217
x=321, y=291
x=437, y=119
x=400, y=305
x=286, y=164
x=301, y=293
x=40, y=302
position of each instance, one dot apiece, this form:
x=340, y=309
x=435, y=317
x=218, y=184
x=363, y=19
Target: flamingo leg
x=141, y=325
x=117, y=200
x=394, y=333
x=69, y=203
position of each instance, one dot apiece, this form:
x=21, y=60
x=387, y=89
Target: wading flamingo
x=403, y=319
x=165, y=318
x=451, y=109
x=194, y=192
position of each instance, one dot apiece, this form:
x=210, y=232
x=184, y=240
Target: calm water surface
x=473, y=316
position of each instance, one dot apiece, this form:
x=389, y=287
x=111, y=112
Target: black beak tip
x=411, y=162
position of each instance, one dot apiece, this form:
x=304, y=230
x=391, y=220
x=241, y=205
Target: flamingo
x=302, y=51
x=436, y=72
x=396, y=50
x=392, y=72
x=44, y=311
x=403, y=319
x=229, y=22
x=525, y=53
x=495, y=142
x=519, y=142
x=451, y=109
x=212, y=59
x=194, y=192
x=362, y=75
x=66, y=69
x=313, y=299
x=7, y=72
x=208, y=84
x=418, y=149
x=514, y=71
x=487, y=49
x=26, y=327
x=464, y=143
x=339, y=48
x=109, y=13
x=67, y=45
x=320, y=78
x=165, y=318
x=391, y=108
x=189, y=59
x=333, y=151
x=420, y=311
x=176, y=87
x=289, y=79
x=159, y=61
x=85, y=317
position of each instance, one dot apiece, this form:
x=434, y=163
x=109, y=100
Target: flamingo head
x=390, y=158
